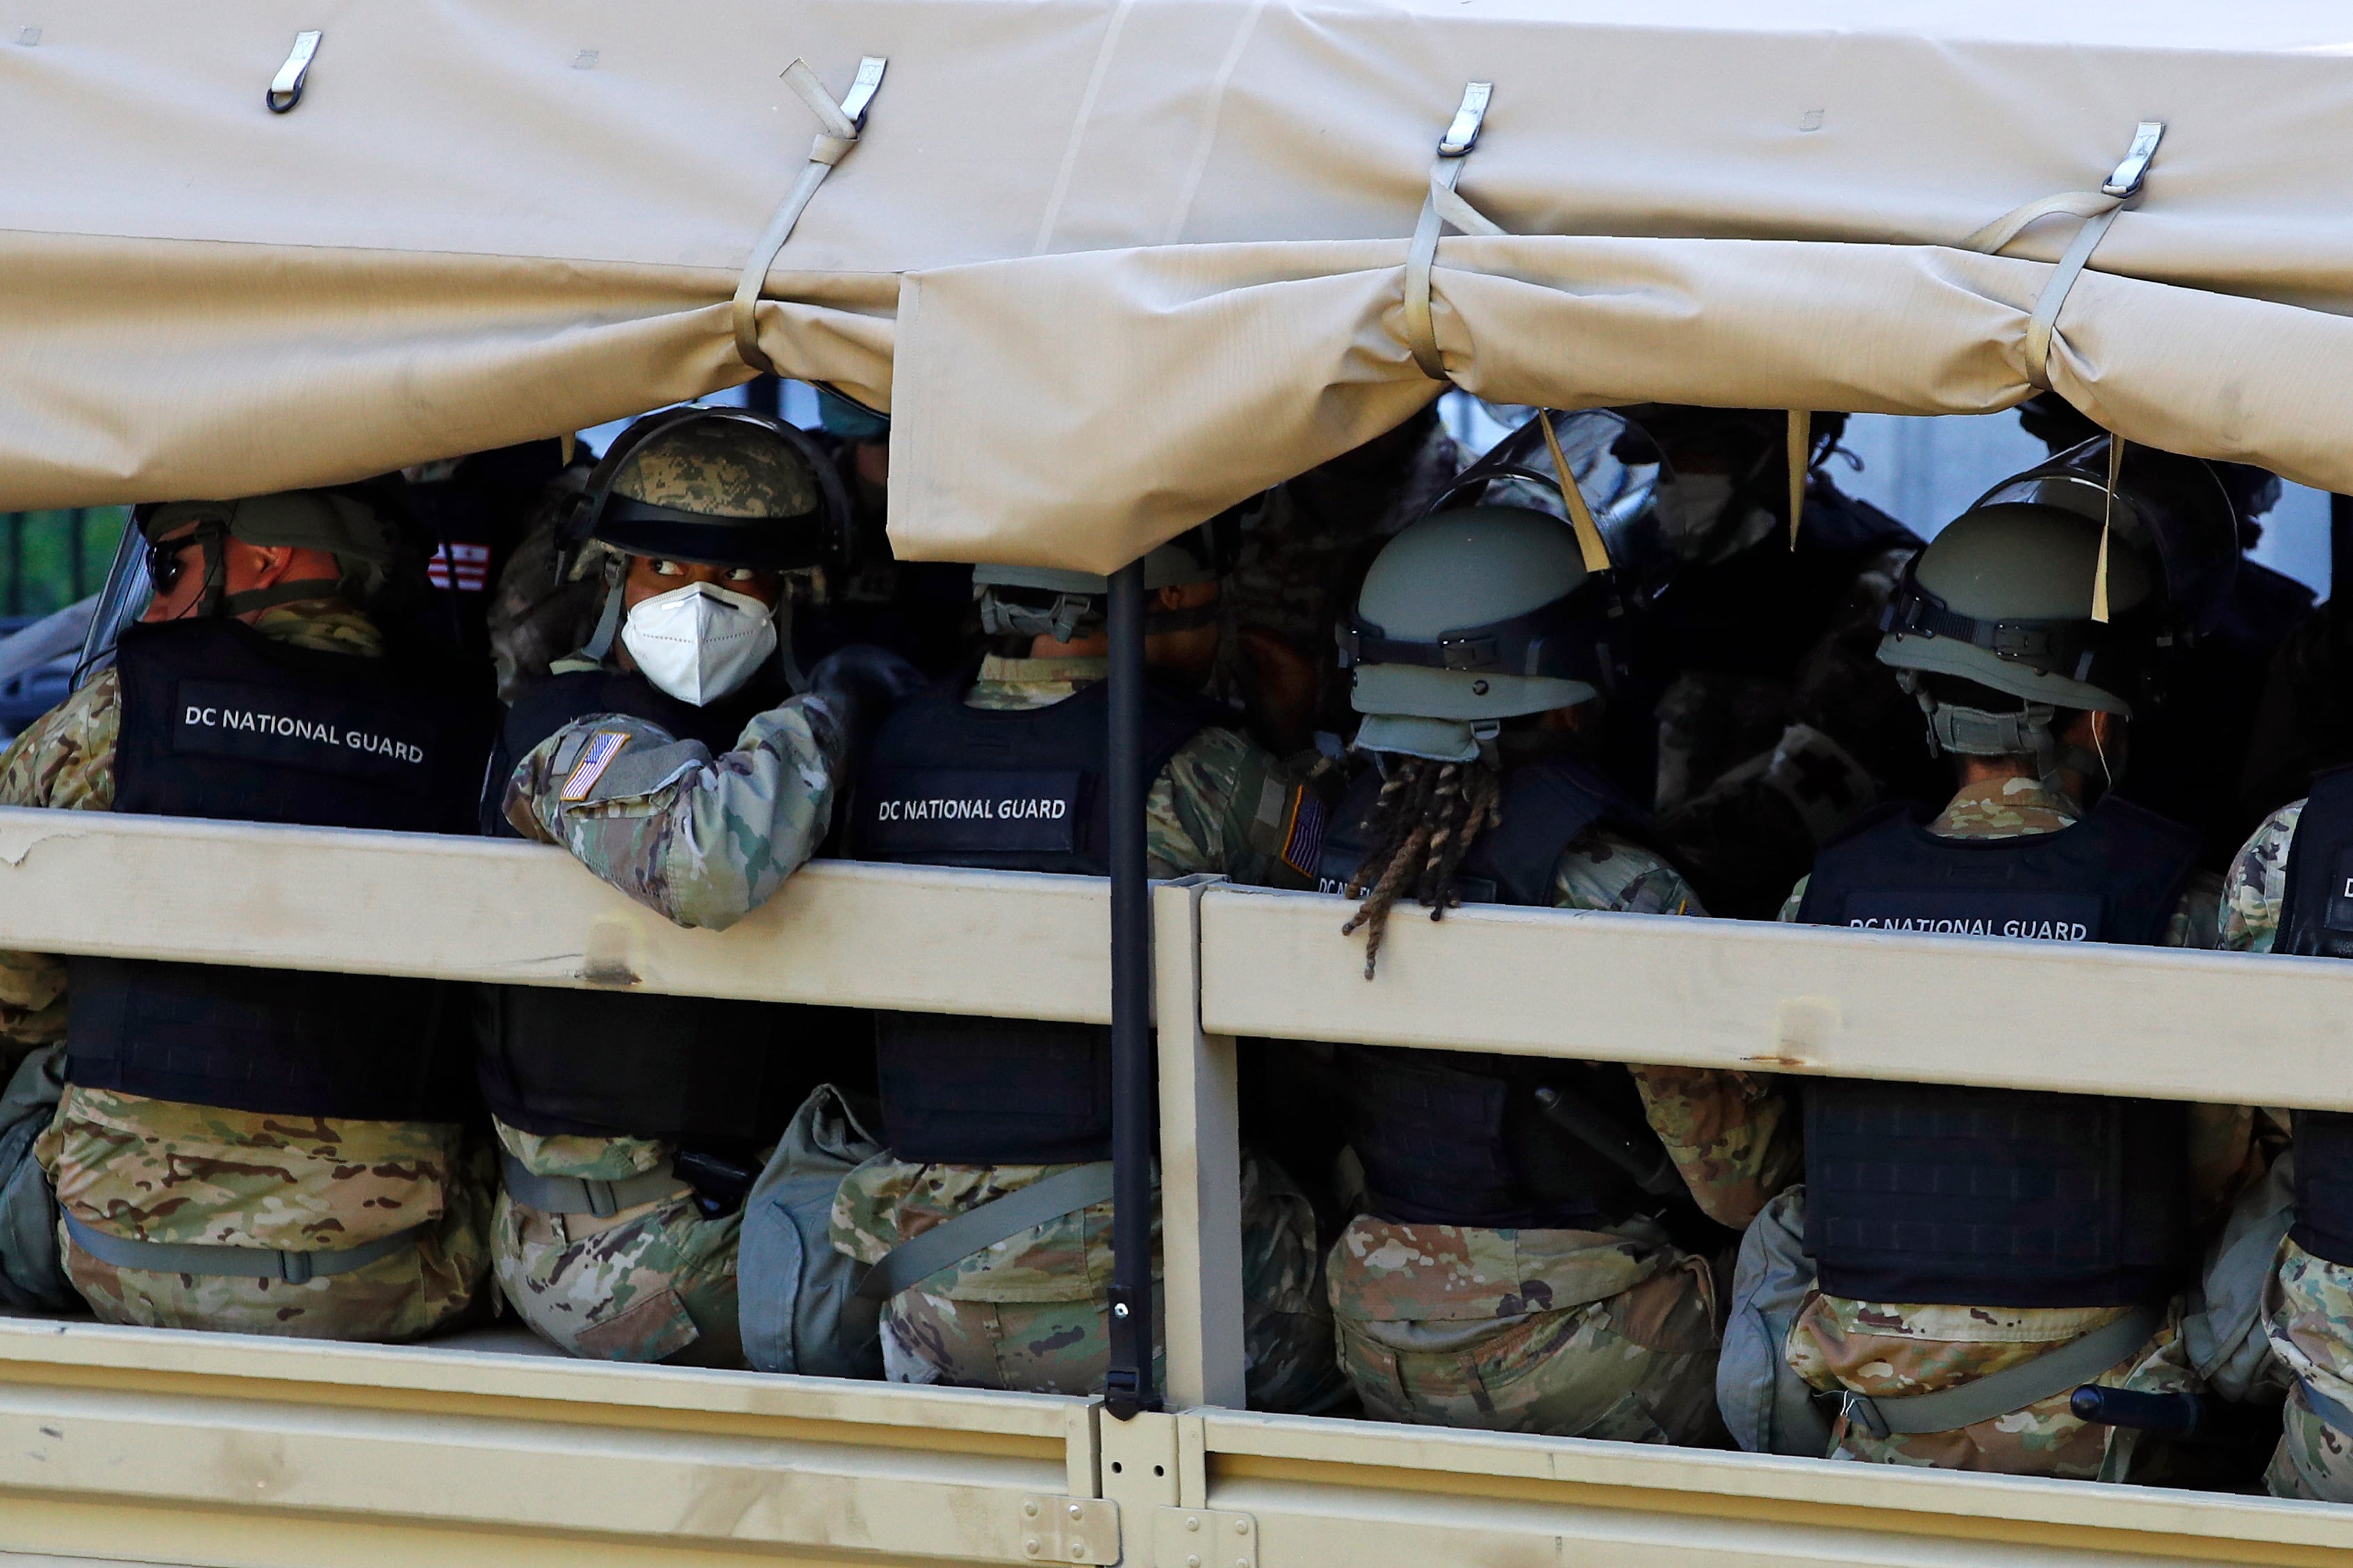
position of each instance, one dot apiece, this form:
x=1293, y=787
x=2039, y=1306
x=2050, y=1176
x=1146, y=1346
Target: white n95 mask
x=699, y=642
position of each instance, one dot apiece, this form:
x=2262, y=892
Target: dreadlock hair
x=1424, y=822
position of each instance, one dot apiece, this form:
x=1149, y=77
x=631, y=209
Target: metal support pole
x=2340, y=547
x=1134, y=1078
x=77, y=543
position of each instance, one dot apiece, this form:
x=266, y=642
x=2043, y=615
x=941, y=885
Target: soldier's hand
x=858, y=686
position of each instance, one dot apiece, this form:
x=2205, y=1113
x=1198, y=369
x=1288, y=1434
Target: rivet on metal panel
x=1065, y=1531
x=286, y=86
x=1176, y=1533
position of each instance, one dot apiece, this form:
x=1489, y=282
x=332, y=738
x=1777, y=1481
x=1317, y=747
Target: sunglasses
x=167, y=560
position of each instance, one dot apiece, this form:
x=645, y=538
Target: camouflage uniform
x=711, y=841
x=703, y=847
x=156, y=1170
x=1572, y=1333
x=2309, y=1306
x=1893, y=1348
x=1029, y=1313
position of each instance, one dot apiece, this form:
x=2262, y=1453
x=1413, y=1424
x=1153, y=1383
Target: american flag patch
x=603, y=747
x=1303, y=838
x=473, y=562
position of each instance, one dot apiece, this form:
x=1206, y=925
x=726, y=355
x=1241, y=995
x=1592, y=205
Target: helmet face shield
x=2175, y=510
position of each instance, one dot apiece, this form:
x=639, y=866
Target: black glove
x=858, y=686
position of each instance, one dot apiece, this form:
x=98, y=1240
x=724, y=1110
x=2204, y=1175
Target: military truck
x=1111, y=266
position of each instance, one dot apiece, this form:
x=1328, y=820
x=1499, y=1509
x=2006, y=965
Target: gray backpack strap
x=32, y=1276
x=235, y=1262
x=573, y=1194
x=977, y=1230
x=2069, y=1366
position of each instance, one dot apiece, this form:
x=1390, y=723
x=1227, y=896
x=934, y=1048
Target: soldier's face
x=651, y=574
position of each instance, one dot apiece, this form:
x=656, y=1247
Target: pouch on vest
x=797, y=1297
x=1768, y=1408
x=32, y=1276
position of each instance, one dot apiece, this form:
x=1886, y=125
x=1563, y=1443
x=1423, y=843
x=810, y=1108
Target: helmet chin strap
x=1964, y=731
x=216, y=601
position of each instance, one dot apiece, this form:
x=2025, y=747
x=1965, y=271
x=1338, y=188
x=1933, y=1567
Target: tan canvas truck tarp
x=1153, y=251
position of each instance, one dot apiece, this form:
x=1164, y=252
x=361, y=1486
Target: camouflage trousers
x=1568, y=1333
x=1894, y=1349
x=433, y=1286
x=653, y=1283
x=1032, y=1314
x=2308, y=1311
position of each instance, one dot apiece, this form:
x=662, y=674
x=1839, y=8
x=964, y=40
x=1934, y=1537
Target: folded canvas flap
x=1132, y=393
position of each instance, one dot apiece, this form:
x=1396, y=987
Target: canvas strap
x=2098, y=210
x=839, y=125
x=1442, y=206
x=977, y=1230
x=2011, y=1389
x=233, y=1262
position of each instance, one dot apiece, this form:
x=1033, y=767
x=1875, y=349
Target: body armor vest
x=699, y=1070
x=1022, y=790
x=1995, y=1196
x=2317, y=920
x=1457, y=1138
x=218, y=721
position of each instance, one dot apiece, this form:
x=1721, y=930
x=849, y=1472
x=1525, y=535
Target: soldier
x=1981, y=1253
x=2286, y=892
x=1002, y=1128
x=257, y=1150
x=1775, y=726
x=1512, y=1269
x=672, y=758
x=1302, y=548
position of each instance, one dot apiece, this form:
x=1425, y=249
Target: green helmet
x=1049, y=601
x=1470, y=617
x=2003, y=598
x=356, y=524
x=718, y=486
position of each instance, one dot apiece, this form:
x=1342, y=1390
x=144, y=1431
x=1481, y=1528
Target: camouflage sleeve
x=703, y=840
x=64, y=759
x=2192, y=923
x=1224, y=806
x=2257, y=884
x=1731, y=1134
x=1795, y=901
x=1735, y=1136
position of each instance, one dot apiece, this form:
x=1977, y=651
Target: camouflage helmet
x=1472, y=617
x=717, y=487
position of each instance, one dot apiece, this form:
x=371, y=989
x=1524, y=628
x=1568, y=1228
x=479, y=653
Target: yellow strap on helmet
x=1580, y=516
